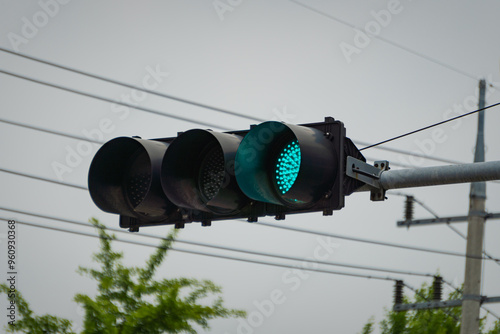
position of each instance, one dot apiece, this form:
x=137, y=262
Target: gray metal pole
x=430, y=176
x=475, y=234
x=433, y=176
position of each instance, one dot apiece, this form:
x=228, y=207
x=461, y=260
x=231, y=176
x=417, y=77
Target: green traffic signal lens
x=287, y=166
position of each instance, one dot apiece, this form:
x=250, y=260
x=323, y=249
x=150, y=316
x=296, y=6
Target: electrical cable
x=431, y=126
x=376, y=277
x=389, y=149
x=290, y=228
x=297, y=229
x=451, y=227
x=456, y=289
x=460, y=290
x=428, y=300
x=124, y=84
x=212, y=108
x=169, y=115
x=465, y=238
x=397, y=45
x=381, y=243
x=490, y=312
x=52, y=132
x=232, y=249
x=105, y=99
x=432, y=212
x=43, y=179
x=385, y=278
x=415, y=154
x=219, y=247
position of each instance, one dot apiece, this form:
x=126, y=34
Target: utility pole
x=472, y=300
x=475, y=234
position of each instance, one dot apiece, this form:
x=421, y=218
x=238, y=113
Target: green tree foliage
x=129, y=300
x=30, y=323
x=433, y=321
x=368, y=328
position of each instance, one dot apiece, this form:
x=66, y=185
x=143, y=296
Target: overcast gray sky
x=267, y=59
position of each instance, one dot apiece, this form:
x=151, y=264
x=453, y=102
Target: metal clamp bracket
x=368, y=174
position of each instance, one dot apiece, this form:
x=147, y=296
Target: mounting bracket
x=368, y=174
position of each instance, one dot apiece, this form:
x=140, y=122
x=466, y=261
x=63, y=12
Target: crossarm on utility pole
x=442, y=304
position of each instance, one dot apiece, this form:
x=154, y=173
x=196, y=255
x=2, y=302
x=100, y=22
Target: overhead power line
x=415, y=154
x=431, y=126
x=376, y=277
x=432, y=212
x=456, y=289
x=393, y=163
x=43, y=179
x=389, y=149
x=105, y=99
x=428, y=299
x=161, y=113
x=52, y=132
x=180, y=250
x=397, y=45
x=375, y=242
x=294, y=229
x=124, y=84
x=232, y=249
x=272, y=264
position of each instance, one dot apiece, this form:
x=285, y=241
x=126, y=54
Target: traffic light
x=203, y=175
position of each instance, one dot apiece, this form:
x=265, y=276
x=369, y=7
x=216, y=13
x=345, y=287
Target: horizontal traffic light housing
x=272, y=169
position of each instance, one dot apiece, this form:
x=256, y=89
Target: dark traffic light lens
x=288, y=166
x=211, y=173
x=138, y=179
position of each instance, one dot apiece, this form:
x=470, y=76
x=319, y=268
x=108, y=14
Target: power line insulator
x=437, y=286
x=409, y=208
x=398, y=292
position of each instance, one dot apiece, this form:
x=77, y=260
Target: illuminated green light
x=287, y=166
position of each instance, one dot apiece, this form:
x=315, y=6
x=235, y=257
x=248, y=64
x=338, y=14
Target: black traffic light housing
x=273, y=169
